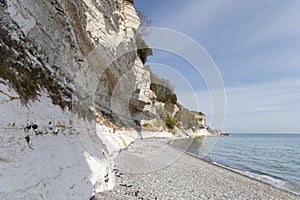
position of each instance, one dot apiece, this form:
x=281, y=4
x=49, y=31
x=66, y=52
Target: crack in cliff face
x=78, y=21
x=10, y=98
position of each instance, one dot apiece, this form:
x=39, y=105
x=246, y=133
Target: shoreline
x=271, y=180
x=239, y=173
x=152, y=169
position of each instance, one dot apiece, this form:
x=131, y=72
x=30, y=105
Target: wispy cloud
x=256, y=46
x=283, y=23
x=258, y=104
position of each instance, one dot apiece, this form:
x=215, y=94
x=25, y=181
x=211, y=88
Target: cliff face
x=79, y=55
x=73, y=64
x=90, y=46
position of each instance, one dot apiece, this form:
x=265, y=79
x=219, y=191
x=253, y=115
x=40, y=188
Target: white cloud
x=256, y=45
x=267, y=107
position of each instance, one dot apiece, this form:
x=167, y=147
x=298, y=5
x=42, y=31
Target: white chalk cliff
x=89, y=48
x=71, y=69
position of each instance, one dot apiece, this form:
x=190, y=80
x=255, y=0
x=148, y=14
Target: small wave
x=235, y=161
x=283, y=184
x=264, y=177
x=261, y=176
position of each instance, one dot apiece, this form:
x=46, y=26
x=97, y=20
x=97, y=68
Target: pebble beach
x=152, y=169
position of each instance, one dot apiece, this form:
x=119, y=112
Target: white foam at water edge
x=282, y=184
x=273, y=181
x=264, y=178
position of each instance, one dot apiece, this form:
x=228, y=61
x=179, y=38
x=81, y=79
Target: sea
x=271, y=158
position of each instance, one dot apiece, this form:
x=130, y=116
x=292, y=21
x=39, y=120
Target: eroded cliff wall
x=90, y=46
x=83, y=55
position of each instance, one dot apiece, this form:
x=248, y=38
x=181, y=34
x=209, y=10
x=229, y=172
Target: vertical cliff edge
x=69, y=69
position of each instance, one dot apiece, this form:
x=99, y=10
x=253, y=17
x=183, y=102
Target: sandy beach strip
x=152, y=169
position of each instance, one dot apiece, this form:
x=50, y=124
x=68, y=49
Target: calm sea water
x=273, y=158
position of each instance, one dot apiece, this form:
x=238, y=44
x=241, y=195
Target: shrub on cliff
x=163, y=89
x=170, y=122
x=143, y=49
x=173, y=98
x=130, y=1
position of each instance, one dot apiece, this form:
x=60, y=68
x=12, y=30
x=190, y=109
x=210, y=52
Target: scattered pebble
x=186, y=178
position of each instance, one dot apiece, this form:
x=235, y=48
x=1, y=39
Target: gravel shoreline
x=151, y=169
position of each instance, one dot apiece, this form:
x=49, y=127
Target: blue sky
x=256, y=48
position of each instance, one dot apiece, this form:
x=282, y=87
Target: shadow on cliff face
x=110, y=74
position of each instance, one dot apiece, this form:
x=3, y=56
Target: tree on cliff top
x=143, y=50
x=163, y=89
x=130, y=1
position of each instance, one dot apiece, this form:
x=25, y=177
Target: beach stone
x=187, y=177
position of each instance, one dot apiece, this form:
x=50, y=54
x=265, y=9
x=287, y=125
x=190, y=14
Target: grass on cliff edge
x=25, y=78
